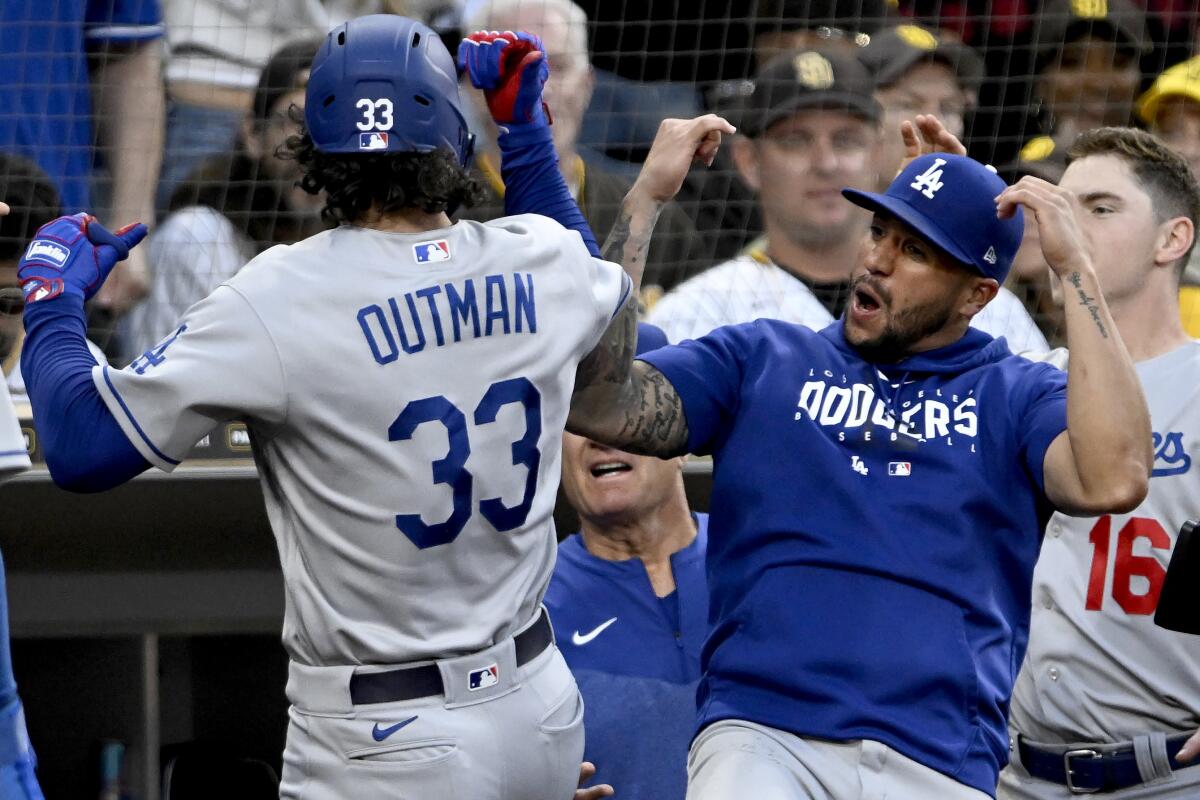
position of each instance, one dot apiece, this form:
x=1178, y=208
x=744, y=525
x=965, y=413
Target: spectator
x=17, y=760
x=810, y=128
x=1106, y=699
x=218, y=48
x=918, y=71
x=563, y=30
x=1087, y=72
x=720, y=203
x=33, y=201
x=234, y=207
x=65, y=64
x=1171, y=109
x=629, y=602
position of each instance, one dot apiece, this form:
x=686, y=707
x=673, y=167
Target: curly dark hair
x=354, y=183
x=33, y=199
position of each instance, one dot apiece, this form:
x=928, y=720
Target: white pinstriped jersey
x=751, y=287
x=1098, y=669
x=406, y=396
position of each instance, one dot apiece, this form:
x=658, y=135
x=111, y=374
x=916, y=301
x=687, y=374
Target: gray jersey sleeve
x=219, y=364
x=605, y=284
x=14, y=458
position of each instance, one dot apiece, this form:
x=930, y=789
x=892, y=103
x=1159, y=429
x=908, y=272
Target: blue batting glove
x=73, y=255
x=511, y=69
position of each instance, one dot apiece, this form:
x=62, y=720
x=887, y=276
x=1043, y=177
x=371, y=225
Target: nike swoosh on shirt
x=379, y=734
x=579, y=640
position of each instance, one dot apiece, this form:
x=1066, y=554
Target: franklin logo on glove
x=40, y=248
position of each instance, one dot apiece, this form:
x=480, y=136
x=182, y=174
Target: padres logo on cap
x=917, y=38
x=1090, y=9
x=813, y=70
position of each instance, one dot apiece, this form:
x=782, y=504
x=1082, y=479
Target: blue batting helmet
x=385, y=84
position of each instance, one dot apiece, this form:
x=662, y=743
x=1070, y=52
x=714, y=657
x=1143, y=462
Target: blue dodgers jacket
x=874, y=535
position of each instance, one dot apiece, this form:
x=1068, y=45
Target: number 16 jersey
x=1098, y=669
x=406, y=396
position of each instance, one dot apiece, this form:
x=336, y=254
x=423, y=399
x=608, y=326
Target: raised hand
x=924, y=134
x=679, y=143
x=511, y=69
x=1064, y=245
x=73, y=255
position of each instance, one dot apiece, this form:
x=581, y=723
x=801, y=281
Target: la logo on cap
x=813, y=70
x=929, y=181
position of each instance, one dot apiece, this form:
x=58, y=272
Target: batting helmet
x=384, y=83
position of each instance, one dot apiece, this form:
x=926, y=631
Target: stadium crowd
x=177, y=113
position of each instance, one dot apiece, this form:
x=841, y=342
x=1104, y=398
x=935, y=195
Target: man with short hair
x=878, y=491
x=920, y=71
x=1106, y=700
x=629, y=602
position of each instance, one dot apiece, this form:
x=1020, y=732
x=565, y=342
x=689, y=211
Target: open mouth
x=609, y=468
x=866, y=300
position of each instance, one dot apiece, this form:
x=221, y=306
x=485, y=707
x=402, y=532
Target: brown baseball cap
x=1063, y=21
x=808, y=79
x=893, y=51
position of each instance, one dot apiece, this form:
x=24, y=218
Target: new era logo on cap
x=483, y=678
x=373, y=141
x=426, y=252
x=990, y=255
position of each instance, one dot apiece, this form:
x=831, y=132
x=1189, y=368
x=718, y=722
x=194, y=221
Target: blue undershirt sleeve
x=85, y=448
x=533, y=184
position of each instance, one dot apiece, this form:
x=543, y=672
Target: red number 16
x=1126, y=565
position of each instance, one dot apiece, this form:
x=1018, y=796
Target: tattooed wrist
x=1088, y=302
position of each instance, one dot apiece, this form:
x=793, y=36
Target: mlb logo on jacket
x=899, y=469
x=426, y=252
x=483, y=678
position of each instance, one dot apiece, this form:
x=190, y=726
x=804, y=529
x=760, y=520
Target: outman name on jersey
x=404, y=320
x=406, y=420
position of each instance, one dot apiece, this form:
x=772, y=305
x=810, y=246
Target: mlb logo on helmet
x=375, y=140
x=483, y=678
x=949, y=200
x=425, y=252
x=899, y=469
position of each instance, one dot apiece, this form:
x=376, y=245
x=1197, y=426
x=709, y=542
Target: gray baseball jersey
x=406, y=396
x=1097, y=668
x=14, y=457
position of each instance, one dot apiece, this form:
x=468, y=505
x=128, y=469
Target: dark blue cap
x=650, y=337
x=950, y=201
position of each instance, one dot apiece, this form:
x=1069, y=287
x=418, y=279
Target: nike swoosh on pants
x=379, y=734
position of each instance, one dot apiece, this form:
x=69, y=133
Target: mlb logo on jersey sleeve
x=483, y=678
x=899, y=469
x=426, y=252
x=375, y=140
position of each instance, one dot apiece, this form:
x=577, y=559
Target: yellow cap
x=1181, y=80
x=1037, y=149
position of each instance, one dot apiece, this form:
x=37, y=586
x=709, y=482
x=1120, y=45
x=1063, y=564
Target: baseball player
x=17, y=761
x=1106, y=701
x=877, y=492
x=405, y=382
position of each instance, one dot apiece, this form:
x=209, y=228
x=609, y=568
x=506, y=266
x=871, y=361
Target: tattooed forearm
x=1088, y=302
x=611, y=358
x=629, y=240
x=654, y=424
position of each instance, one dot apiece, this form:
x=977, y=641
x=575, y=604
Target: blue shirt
x=637, y=668
x=874, y=535
x=45, y=95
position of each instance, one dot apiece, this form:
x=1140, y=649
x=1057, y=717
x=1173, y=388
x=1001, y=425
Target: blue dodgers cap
x=949, y=201
x=650, y=337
